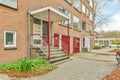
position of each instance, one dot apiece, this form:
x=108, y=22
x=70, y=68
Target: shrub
x=97, y=47
x=116, y=42
x=27, y=65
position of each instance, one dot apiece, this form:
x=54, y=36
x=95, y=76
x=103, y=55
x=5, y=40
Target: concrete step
x=57, y=56
x=50, y=47
x=62, y=61
x=58, y=59
x=56, y=52
x=51, y=50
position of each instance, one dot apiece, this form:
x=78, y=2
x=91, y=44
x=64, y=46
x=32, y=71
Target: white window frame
x=65, y=22
x=87, y=12
x=87, y=27
x=14, y=39
x=10, y=3
x=91, y=16
x=69, y=1
x=91, y=3
x=79, y=23
x=77, y=5
x=83, y=8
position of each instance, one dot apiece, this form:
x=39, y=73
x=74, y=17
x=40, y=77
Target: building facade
x=66, y=24
x=106, y=41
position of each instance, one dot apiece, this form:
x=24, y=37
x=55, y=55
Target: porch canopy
x=55, y=15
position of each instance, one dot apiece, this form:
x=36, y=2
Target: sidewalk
x=99, y=55
x=82, y=69
x=96, y=57
x=79, y=69
x=104, y=51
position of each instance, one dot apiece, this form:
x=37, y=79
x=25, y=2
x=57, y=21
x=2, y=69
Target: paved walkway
x=104, y=50
x=83, y=69
x=79, y=69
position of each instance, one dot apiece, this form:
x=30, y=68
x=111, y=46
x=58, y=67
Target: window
x=83, y=25
x=9, y=3
x=83, y=8
x=69, y=1
x=67, y=13
x=88, y=0
x=87, y=12
x=87, y=27
x=91, y=30
x=77, y=5
x=83, y=42
x=91, y=16
x=37, y=29
x=37, y=21
x=76, y=23
x=91, y=3
x=9, y=39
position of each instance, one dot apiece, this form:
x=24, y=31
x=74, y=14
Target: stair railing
x=64, y=45
x=42, y=44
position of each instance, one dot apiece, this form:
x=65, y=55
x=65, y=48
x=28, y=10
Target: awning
x=55, y=15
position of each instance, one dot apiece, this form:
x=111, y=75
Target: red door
x=66, y=44
x=56, y=40
x=76, y=45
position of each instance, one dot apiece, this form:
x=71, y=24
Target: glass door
x=45, y=31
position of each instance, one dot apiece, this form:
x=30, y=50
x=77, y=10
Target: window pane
x=9, y=38
x=76, y=23
x=83, y=8
x=83, y=26
x=67, y=13
x=70, y=1
x=37, y=41
x=37, y=21
x=91, y=16
x=76, y=4
x=10, y=3
x=91, y=3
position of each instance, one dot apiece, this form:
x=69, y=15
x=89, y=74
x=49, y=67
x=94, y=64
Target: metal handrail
x=66, y=51
x=66, y=47
x=41, y=47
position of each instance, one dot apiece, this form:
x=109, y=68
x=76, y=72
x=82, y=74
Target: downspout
x=69, y=40
x=29, y=35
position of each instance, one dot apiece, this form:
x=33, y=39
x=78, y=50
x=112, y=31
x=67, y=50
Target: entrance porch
x=40, y=31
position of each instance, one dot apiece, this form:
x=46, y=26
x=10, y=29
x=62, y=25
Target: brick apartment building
x=66, y=24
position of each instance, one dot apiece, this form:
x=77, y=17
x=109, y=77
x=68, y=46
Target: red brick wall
x=16, y=20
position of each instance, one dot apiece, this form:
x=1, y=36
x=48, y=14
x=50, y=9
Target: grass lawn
x=27, y=68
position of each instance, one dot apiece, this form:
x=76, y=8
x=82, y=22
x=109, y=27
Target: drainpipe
x=49, y=35
x=69, y=41
x=29, y=37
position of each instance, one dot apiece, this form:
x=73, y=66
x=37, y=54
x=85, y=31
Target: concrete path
x=79, y=69
x=82, y=69
x=105, y=50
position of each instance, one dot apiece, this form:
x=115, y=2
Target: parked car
x=114, y=45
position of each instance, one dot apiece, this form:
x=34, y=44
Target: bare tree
x=100, y=17
x=118, y=1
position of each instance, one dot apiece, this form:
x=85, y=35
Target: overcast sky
x=114, y=11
